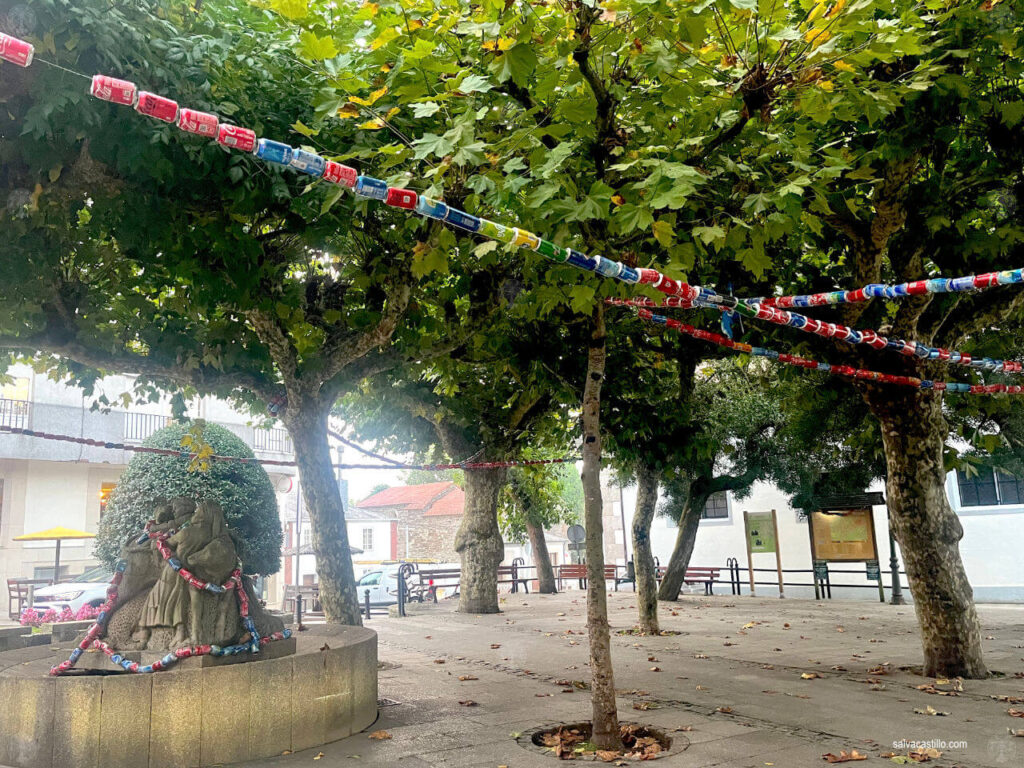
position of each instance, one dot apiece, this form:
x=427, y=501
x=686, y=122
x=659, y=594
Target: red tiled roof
x=452, y=503
x=419, y=498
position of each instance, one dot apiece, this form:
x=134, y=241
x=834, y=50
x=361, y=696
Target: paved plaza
x=731, y=688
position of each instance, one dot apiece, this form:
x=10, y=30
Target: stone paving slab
x=733, y=653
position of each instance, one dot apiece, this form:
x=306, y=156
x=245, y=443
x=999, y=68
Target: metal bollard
x=298, y=611
x=367, y=599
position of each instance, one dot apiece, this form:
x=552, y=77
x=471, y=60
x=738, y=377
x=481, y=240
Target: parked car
x=88, y=589
x=382, y=583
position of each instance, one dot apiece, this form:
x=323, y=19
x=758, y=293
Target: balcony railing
x=139, y=426
x=14, y=413
x=275, y=440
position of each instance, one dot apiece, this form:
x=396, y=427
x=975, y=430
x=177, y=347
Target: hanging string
x=277, y=153
x=835, y=370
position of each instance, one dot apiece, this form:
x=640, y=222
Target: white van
x=382, y=583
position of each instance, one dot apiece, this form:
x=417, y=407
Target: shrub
x=244, y=491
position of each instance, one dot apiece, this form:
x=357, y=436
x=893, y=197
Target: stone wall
x=186, y=718
x=430, y=537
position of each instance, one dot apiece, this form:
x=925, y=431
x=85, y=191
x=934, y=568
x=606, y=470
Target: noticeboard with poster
x=843, y=536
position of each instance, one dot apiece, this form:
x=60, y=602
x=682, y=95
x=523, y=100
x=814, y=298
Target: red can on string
x=201, y=123
x=401, y=198
x=242, y=139
x=336, y=173
x=113, y=90
x=16, y=51
x=159, y=107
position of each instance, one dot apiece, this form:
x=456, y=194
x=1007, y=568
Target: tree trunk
x=605, y=715
x=643, y=559
x=928, y=531
x=479, y=541
x=689, y=522
x=338, y=597
x=541, y=558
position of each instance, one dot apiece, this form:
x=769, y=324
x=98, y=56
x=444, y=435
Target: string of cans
x=91, y=442
x=94, y=634
x=896, y=291
x=803, y=362
x=872, y=339
x=277, y=153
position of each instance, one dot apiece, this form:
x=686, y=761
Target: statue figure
x=157, y=609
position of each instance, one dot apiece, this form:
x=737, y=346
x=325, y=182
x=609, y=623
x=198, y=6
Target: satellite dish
x=576, y=534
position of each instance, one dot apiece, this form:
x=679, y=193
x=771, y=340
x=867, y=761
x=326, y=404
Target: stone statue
x=158, y=610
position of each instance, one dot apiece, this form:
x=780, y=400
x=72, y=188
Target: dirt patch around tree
x=571, y=741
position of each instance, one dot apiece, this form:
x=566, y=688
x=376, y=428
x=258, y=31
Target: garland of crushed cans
x=803, y=362
x=273, y=462
x=277, y=153
x=834, y=330
x=92, y=637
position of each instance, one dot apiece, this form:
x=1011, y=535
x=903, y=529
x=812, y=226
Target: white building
x=990, y=508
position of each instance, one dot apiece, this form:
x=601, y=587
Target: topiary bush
x=244, y=491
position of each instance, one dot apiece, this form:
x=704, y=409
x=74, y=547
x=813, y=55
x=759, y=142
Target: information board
x=846, y=536
x=761, y=531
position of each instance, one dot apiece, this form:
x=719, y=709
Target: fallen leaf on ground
x=1014, y=712
x=931, y=711
x=809, y=675
x=685, y=728
x=655, y=669
x=495, y=646
x=700, y=656
x=844, y=756
x=439, y=661
x=724, y=710
x=318, y=756
x=324, y=647
x=469, y=703
x=1016, y=732
x=464, y=678
x=1010, y=699
x=380, y=735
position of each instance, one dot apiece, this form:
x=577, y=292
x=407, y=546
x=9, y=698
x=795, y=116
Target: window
x=989, y=488
x=105, y=490
x=14, y=403
x=717, y=507
x=275, y=440
x=371, y=579
x=367, y=539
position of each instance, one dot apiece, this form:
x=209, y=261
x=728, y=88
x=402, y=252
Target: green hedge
x=244, y=491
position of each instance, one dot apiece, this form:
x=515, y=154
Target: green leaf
x=432, y=144
x=663, y=232
x=518, y=64
x=674, y=197
x=425, y=108
x=300, y=127
x=291, y=9
x=581, y=298
x=317, y=48
x=630, y=217
x=475, y=84
x=708, y=235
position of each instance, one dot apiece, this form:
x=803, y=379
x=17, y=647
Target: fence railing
x=275, y=440
x=139, y=426
x=15, y=413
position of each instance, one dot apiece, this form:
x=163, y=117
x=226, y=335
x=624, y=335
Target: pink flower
x=29, y=618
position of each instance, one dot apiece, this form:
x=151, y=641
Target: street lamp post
x=894, y=567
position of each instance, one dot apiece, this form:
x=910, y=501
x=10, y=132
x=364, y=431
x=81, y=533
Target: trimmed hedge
x=244, y=491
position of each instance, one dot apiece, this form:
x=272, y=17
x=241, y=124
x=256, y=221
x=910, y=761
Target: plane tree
x=131, y=247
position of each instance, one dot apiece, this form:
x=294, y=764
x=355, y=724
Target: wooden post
x=750, y=557
x=814, y=573
x=778, y=553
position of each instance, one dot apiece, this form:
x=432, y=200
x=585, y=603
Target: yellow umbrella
x=57, y=534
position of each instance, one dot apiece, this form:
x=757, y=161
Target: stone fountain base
x=185, y=717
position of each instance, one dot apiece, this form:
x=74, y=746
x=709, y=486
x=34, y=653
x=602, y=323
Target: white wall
x=991, y=545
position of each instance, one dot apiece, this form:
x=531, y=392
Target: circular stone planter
x=190, y=717
x=533, y=739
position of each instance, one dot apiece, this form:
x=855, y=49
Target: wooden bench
x=705, y=576
x=509, y=574
x=432, y=579
x=579, y=571
x=17, y=595
x=310, y=599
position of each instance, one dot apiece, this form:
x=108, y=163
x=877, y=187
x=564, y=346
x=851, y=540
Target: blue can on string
x=607, y=267
x=375, y=189
x=274, y=152
x=308, y=162
x=581, y=260
x=462, y=220
x=629, y=275
x=434, y=209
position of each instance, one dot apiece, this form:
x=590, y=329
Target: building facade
x=47, y=483
x=426, y=516
x=990, y=508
